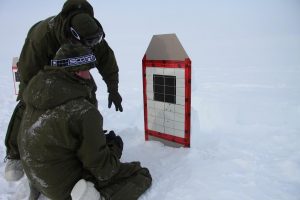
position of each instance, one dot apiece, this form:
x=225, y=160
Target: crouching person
x=64, y=151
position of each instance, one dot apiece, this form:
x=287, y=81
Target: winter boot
x=85, y=190
x=13, y=170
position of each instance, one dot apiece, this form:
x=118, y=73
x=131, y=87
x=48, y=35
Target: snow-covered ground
x=245, y=137
x=245, y=98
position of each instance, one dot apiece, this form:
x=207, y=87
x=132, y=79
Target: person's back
x=50, y=133
x=61, y=139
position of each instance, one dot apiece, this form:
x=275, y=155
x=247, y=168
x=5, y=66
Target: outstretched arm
x=108, y=68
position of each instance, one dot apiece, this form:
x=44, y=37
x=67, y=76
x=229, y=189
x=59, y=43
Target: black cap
x=74, y=57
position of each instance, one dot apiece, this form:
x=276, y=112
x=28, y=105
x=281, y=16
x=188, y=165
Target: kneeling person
x=62, y=144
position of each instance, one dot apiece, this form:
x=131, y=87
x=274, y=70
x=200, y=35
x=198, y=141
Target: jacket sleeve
x=94, y=153
x=107, y=65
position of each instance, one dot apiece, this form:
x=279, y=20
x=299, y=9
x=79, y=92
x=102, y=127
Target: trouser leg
x=11, y=139
x=34, y=193
x=131, y=182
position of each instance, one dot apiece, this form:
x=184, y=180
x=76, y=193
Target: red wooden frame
x=186, y=65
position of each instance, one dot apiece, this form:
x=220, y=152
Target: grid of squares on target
x=165, y=88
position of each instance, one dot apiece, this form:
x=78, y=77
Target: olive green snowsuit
x=42, y=42
x=61, y=141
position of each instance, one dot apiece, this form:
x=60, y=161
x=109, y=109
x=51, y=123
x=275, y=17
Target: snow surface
x=245, y=141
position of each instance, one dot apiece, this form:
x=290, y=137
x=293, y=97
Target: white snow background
x=245, y=142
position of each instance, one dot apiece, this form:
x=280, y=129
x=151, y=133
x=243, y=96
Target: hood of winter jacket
x=49, y=89
x=63, y=19
x=76, y=5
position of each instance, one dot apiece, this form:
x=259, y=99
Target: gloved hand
x=110, y=136
x=119, y=142
x=115, y=97
x=115, y=143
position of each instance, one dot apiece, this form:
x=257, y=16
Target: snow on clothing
x=61, y=141
x=42, y=42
